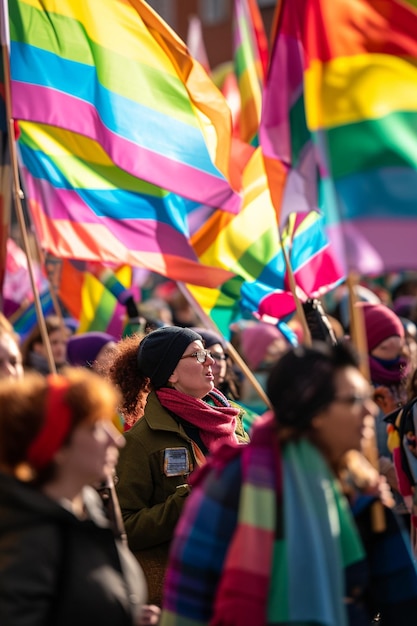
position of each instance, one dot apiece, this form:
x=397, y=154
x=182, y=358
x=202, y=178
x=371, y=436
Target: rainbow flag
x=361, y=104
x=17, y=286
x=250, y=244
x=246, y=243
x=125, y=141
x=94, y=295
x=101, y=310
x=314, y=264
x=249, y=61
x=25, y=318
x=284, y=136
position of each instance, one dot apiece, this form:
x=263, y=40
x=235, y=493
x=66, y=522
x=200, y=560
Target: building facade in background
x=216, y=20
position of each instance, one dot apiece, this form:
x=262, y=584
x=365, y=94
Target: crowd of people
x=144, y=481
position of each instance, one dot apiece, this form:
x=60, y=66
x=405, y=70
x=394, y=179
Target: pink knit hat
x=380, y=323
x=255, y=341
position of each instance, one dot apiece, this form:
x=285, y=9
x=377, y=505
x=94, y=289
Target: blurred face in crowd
x=274, y=351
x=10, y=357
x=58, y=340
x=340, y=426
x=220, y=363
x=192, y=377
x=389, y=349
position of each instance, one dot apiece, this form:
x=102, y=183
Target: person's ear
x=318, y=420
x=174, y=377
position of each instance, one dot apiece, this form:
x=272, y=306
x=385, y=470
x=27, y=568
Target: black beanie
x=160, y=351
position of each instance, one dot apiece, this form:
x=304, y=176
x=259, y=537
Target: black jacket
x=58, y=570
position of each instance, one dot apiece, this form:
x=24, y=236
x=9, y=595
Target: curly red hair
x=122, y=370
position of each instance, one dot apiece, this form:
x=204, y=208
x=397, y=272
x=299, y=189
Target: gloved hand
x=318, y=322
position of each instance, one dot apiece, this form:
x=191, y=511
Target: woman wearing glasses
x=163, y=379
x=226, y=377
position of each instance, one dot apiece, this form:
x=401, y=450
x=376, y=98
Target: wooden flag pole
x=55, y=301
x=299, y=307
x=18, y=195
x=358, y=337
x=41, y=256
x=234, y=354
x=357, y=326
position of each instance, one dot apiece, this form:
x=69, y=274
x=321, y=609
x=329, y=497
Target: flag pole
x=299, y=307
x=17, y=191
x=234, y=354
x=358, y=337
x=42, y=259
x=6, y=198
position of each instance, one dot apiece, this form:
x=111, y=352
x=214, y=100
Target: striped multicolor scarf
x=294, y=538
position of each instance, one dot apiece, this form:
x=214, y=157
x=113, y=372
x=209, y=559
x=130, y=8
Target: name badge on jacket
x=176, y=462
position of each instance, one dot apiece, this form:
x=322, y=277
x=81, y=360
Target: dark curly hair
x=302, y=383
x=122, y=370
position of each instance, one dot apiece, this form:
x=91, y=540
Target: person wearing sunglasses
x=165, y=379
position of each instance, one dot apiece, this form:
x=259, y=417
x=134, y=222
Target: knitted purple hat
x=380, y=323
x=83, y=349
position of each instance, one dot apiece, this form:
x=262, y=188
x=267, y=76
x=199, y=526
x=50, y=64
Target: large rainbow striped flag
x=245, y=243
x=250, y=244
x=361, y=104
x=125, y=141
x=250, y=49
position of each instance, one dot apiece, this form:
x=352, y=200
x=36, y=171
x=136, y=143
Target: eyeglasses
x=200, y=355
x=354, y=400
x=218, y=357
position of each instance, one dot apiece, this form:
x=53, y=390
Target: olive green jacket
x=151, y=484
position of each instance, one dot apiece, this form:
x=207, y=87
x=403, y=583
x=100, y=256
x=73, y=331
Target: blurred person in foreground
x=165, y=378
x=60, y=562
x=277, y=532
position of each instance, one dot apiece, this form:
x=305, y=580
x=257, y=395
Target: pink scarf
x=215, y=423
